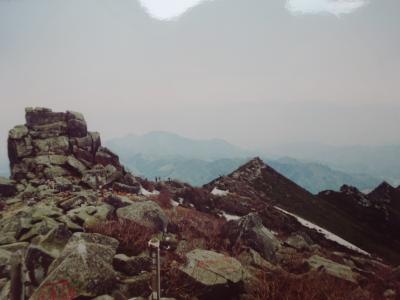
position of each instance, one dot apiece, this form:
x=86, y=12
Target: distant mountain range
x=167, y=155
x=378, y=161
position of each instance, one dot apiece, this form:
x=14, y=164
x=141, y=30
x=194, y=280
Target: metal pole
x=154, y=245
x=16, y=290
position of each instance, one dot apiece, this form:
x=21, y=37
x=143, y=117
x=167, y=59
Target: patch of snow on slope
x=145, y=192
x=230, y=217
x=329, y=235
x=174, y=203
x=218, y=192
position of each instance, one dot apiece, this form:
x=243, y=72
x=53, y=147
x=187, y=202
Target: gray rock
x=7, y=187
x=77, y=128
x=84, y=268
x=146, y=213
x=212, y=269
x=106, y=157
x=49, y=130
x=55, y=145
x=135, y=286
x=298, y=242
x=96, y=141
x=15, y=246
x=7, y=238
x=5, y=291
x=100, y=176
x=104, y=297
x=76, y=165
x=55, y=240
x=332, y=268
x=250, y=230
x=37, y=262
x=76, y=124
x=131, y=189
x=18, y=132
x=84, y=197
x=55, y=171
x=42, y=116
x=63, y=184
x=90, y=215
x=18, y=149
x=69, y=223
x=85, y=143
x=5, y=257
x=132, y=265
x=84, y=156
x=40, y=228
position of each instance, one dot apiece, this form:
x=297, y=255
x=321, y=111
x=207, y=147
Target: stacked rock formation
x=53, y=145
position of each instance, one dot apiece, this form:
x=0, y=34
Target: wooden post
x=17, y=288
x=154, y=245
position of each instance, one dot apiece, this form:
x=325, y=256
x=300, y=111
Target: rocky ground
x=81, y=224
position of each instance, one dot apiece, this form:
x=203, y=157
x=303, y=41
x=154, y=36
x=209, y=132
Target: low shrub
x=164, y=199
x=132, y=237
x=191, y=224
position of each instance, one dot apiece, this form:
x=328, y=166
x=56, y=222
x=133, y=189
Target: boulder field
x=79, y=224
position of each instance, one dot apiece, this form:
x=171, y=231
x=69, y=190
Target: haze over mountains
x=169, y=155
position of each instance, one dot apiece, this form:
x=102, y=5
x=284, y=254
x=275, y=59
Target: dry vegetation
x=192, y=225
x=132, y=237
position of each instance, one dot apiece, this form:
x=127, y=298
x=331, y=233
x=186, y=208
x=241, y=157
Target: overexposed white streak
x=168, y=9
x=334, y=7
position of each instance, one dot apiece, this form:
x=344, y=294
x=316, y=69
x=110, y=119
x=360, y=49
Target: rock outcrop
x=250, y=231
x=53, y=145
x=84, y=268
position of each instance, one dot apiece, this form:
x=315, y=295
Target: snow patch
x=230, y=217
x=327, y=234
x=145, y=192
x=174, y=203
x=218, y=192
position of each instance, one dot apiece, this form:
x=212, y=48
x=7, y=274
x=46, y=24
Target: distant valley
x=167, y=155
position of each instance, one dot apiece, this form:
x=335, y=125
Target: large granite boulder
x=250, y=231
x=332, y=268
x=146, y=213
x=42, y=252
x=84, y=269
x=215, y=276
x=211, y=268
x=7, y=187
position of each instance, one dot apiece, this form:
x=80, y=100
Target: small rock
x=131, y=265
x=298, y=242
x=124, y=188
x=7, y=187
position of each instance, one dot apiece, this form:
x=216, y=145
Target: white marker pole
x=154, y=245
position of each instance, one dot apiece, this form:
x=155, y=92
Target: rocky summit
x=75, y=224
x=57, y=146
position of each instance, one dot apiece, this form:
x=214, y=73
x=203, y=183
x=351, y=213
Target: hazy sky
x=253, y=72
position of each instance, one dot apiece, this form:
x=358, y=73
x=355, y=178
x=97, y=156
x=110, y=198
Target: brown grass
x=313, y=286
x=132, y=237
x=164, y=199
x=191, y=224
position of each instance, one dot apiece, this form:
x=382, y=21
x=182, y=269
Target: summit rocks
x=58, y=144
